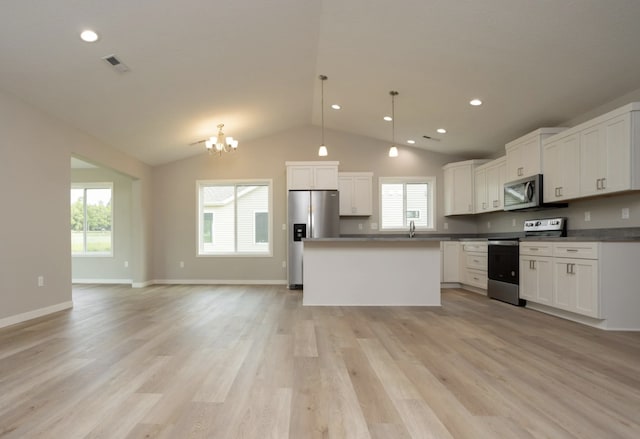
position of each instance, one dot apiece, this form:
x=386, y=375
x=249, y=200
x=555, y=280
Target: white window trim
x=268, y=254
x=430, y=181
x=97, y=185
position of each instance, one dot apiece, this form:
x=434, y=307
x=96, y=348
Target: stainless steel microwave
x=526, y=194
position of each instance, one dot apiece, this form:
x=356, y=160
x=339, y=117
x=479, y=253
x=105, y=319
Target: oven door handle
x=510, y=243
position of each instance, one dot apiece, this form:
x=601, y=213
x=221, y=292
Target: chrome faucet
x=412, y=229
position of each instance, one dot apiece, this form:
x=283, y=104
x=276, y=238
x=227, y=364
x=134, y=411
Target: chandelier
x=220, y=143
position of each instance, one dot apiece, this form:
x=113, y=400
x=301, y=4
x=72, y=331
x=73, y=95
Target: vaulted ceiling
x=254, y=64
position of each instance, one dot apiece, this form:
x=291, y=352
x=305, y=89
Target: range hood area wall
x=603, y=213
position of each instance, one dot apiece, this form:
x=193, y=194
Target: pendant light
x=322, y=151
x=393, y=151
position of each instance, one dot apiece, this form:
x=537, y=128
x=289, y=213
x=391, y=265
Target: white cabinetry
x=355, y=193
x=312, y=175
x=561, y=158
x=459, y=187
x=561, y=275
x=450, y=261
x=536, y=272
x=595, y=283
x=605, y=156
x=474, y=264
x=524, y=155
x=489, y=186
x=598, y=157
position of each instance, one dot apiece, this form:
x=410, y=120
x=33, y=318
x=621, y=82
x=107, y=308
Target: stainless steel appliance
x=312, y=214
x=526, y=194
x=503, y=264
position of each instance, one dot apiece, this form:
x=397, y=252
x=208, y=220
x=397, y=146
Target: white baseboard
x=101, y=281
x=218, y=282
x=144, y=284
x=19, y=318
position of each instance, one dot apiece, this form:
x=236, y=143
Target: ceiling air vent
x=116, y=63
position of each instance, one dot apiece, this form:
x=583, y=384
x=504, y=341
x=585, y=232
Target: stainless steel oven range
x=503, y=265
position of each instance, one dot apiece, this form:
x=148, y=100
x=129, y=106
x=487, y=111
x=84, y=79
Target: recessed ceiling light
x=441, y=130
x=388, y=118
x=411, y=142
x=89, y=36
x=475, y=102
x=336, y=107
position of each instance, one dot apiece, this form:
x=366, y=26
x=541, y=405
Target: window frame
x=430, y=181
x=94, y=185
x=235, y=183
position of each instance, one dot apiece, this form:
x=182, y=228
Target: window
x=92, y=219
x=406, y=199
x=234, y=218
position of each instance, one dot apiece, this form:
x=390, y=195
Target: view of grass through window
x=91, y=219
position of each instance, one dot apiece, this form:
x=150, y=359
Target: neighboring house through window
x=234, y=217
x=406, y=199
x=92, y=219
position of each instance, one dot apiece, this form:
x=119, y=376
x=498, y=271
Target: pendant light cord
x=393, y=117
x=322, y=79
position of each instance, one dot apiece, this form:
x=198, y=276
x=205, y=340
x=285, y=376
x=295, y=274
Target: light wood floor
x=252, y=362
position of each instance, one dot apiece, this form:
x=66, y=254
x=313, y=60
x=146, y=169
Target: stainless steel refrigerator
x=312, y=214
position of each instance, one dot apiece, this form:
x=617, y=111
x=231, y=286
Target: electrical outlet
x=284, y=264
x=126, y=264
x=374, y=226
x=513, y=222
x=488, y=224
x=359, y=226
x=625, y=213
x=284, y=227
x=41, y=281
x=587, y=216
x=446, y=226
x=181, y=264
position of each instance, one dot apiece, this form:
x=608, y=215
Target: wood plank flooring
x=252, y=362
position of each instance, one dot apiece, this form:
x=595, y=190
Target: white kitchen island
x=371, y=271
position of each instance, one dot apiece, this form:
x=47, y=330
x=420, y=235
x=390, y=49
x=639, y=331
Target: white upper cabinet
x=312, y=175
x=459, y=186
x=489, y=186
x=601, y=156
x=524, y=155
x=561, y=159
x=605, y=154
x=355, y=193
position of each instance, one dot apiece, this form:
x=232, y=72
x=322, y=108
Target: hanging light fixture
x=220, y=143
x=393, y=151
x=322, y=151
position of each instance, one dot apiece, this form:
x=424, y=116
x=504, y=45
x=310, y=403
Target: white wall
x=174, y=201
x=35, y=153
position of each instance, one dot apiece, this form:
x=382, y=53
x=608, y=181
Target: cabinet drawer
x=580, y=250
x=536, y=248
x=476, y=278
x=477, y=261
x=480, y=247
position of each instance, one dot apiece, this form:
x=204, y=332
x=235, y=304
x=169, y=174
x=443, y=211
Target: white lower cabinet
x=473, y=271
x=575, y=286
x=549, y=277
x=536, y=279
x=450, y=261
